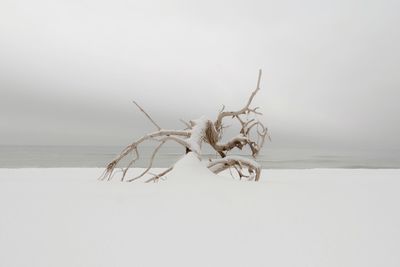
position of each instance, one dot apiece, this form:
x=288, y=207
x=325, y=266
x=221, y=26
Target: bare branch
x=224, y=114
x=169, y=134
x=147, y=115
x=130, y=164
x=188, y=126
x=158, y=176
x=238, y=163
x=151, y=162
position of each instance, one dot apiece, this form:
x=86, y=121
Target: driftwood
x=252, y=134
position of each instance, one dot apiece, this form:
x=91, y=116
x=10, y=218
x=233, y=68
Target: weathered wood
x=208, y=131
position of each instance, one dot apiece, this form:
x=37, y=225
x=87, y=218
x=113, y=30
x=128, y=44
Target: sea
x=270, y=158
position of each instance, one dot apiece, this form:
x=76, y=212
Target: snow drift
x=326, y=217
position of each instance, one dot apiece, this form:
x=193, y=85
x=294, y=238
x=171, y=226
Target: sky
x=69, y=70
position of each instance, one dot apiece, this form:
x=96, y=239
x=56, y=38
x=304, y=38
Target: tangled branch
x=252, y=134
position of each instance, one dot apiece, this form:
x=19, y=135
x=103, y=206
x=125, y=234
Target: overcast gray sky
x=69, y=69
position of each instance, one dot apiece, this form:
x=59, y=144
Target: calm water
x=99, y=156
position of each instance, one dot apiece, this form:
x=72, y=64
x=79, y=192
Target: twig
x=147, y=115
x=151, y=162
x=188, y=126
x=157, y=176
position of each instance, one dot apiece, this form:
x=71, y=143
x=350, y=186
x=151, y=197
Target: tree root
x=252, y=134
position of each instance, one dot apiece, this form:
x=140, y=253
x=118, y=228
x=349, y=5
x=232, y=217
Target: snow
x=317, y=217
x=197, y=133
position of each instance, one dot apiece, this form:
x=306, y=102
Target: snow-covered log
x=252, y=134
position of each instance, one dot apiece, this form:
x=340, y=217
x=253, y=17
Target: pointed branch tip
x=147, y=115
